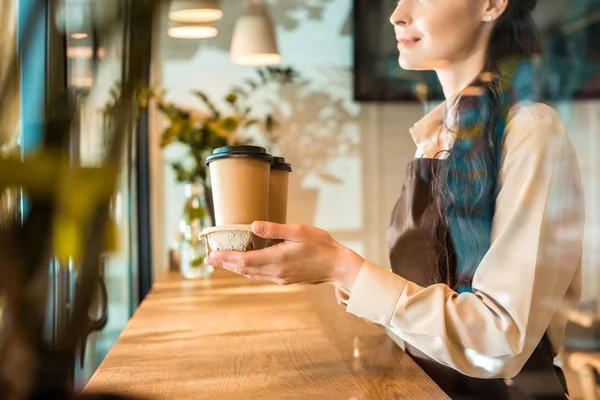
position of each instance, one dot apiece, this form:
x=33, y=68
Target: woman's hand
x=307, y=255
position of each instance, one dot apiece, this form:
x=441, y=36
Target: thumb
x=287, y=232
x=268, y=230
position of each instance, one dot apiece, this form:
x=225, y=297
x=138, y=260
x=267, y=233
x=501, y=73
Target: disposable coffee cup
x=239, y=177
x=278, y=190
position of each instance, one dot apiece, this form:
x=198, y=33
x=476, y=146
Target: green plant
x=202, y=131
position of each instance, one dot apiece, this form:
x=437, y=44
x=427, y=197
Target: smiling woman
x=439, y=32
x=571, y=63
x=484, y=275
x=376, y=73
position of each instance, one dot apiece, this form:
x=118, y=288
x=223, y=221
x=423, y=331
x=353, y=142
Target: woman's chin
x=409, y=65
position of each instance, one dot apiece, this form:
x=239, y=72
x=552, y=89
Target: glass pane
x=97, y=84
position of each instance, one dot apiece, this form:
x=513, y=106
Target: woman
x=486, y=238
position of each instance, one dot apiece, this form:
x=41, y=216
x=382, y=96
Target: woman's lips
x=405, y=43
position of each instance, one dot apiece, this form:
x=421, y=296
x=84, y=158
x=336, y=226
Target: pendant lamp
x=254, y=42
x=192, y=31
x=195, y=10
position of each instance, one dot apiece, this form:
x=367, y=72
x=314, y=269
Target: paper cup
x=239, y=177
x=278, y=190
x=232, y=238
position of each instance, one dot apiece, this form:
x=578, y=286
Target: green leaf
x=197, y=262
x=231, y=98
x=207, y=102
x=114, y=92
x=230, y=124
x=168, y=136
x=251, y=122
x=263, y=75
x=269, y=123
x=240, y=91
x=252, y=83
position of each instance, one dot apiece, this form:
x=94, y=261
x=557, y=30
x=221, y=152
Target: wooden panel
x=232, y=338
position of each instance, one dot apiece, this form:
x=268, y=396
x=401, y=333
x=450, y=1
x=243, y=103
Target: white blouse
x=528, y=281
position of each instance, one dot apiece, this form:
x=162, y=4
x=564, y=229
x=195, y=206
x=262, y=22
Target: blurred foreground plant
x=66, y=217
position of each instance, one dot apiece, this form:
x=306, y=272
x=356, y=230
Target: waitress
x=486, y=237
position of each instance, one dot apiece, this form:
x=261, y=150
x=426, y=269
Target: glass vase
x=194, y=219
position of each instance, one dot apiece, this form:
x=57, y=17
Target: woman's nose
x=401, y=15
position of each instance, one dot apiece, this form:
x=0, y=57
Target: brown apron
x=417, y=253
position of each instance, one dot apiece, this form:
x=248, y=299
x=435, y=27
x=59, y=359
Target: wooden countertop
x=232, y=338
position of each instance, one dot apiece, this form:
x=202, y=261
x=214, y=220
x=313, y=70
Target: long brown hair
x=466, y=184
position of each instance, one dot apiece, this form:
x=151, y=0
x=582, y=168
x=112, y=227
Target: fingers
x=256, y=258
x=272, y=230
x=271, y=273
x=255, y=263
x=238, y=268
x=266, y=278
x=262, y=273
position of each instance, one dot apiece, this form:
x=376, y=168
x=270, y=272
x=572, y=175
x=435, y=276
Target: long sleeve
x=530, y=274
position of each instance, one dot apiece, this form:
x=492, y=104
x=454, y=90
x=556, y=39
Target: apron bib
x=418, y=242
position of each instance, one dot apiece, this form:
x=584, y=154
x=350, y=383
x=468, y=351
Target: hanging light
x=254, y=42
x=192, y=31
x=195, y=10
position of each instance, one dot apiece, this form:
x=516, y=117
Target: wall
x=317, y=42
x=582, y=120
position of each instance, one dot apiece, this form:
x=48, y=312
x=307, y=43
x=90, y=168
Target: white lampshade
x=254, y=42
x=195, y=10
x=186, y=30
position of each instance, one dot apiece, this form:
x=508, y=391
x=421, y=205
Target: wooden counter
x=232, y=338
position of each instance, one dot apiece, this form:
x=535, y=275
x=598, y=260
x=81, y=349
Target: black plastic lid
x=239, y=151
x=280, y=164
